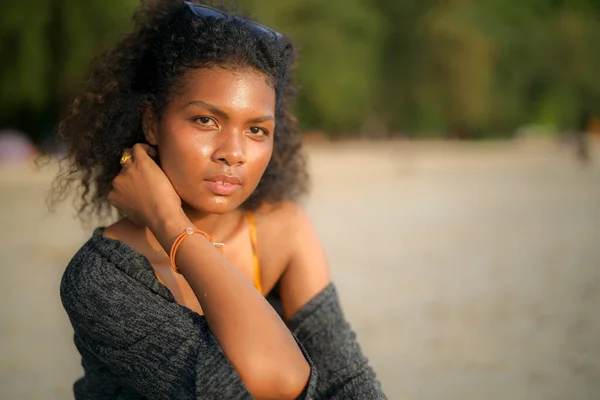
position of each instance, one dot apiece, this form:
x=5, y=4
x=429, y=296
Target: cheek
x=260, y=160
x=180, y=145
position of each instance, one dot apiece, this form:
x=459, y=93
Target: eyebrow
x=223, y=114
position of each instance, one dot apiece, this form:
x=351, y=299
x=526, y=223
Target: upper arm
x=307, y=272
x=156, y=347
x=313, y=312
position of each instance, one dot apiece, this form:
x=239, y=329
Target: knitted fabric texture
x=137, y=342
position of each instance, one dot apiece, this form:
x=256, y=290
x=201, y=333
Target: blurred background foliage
x=375, y=68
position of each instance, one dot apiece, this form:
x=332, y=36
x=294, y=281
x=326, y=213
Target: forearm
x=252, y=335
x=149, y=344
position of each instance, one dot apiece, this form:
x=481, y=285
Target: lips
x=223, y=185
x=225, y=179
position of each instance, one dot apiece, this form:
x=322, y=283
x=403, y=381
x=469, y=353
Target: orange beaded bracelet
x=190, y=231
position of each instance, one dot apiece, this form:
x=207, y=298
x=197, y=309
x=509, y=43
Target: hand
x=142, y=191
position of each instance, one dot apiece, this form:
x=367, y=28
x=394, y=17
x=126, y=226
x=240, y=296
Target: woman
x=185, y=128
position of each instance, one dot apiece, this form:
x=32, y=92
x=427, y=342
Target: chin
x=216, y=204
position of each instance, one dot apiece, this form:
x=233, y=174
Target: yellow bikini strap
x=253, y=240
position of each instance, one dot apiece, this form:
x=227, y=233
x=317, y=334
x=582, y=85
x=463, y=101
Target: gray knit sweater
x=137, y=342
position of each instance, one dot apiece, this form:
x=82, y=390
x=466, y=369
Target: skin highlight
x=211, y=129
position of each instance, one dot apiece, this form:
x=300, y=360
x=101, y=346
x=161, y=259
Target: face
x=215, y=137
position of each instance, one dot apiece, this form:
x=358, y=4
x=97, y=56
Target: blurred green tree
x=45, y=46
x=422, y=67
x=339, y=58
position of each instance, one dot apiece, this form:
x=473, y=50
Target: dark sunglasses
x=209, y=12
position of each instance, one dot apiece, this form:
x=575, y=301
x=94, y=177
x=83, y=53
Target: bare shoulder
x=285, y=210
x=125, y=231
x=306, y=270
x=135, y=236
x=284, y=214
x=283, y=224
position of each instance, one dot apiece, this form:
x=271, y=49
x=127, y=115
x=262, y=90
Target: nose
x=230, y=150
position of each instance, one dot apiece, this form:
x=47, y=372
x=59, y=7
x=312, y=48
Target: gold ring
x=124, y=158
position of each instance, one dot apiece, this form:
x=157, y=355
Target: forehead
x=242, y=89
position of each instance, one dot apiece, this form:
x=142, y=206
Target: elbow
x=279, y=383
x=295, y=381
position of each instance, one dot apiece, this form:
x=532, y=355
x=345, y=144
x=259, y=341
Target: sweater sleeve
x=154, y=346
x=344, y=372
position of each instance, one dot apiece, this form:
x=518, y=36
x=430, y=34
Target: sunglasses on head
x=210, y=12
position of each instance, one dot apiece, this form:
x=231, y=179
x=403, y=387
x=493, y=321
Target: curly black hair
x=146, y=68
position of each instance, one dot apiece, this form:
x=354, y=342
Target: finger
x=115, y=197
x=126, y=157
x=150, y=150
x=140, y=151
x=112, y=198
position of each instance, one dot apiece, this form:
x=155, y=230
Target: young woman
x=213, y=284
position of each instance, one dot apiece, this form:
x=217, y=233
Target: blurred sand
x=470, y=271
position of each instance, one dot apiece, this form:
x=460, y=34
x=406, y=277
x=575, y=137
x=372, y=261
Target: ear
x=149, y=125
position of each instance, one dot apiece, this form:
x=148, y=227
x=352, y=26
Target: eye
x=257, y=131
x=204, y=121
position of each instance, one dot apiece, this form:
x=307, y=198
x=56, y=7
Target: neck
x=219, y=226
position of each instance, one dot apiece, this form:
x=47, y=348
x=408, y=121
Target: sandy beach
x=469, y=271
